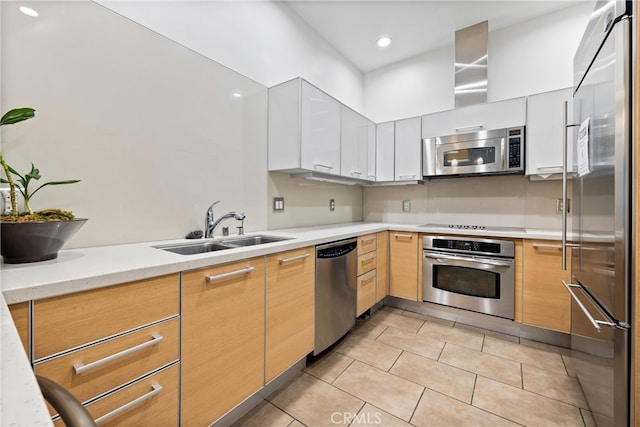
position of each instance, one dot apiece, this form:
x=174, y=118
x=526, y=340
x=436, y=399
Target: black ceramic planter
x=35, y=241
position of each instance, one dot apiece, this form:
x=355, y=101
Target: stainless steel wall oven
x=470, y=273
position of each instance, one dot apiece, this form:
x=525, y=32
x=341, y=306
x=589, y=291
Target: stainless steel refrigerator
x=601, y=218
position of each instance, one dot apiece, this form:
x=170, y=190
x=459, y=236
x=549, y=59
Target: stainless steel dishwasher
x=336, y=286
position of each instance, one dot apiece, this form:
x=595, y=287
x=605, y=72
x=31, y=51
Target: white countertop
x=78, y=270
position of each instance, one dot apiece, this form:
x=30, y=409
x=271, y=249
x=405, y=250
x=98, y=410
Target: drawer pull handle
x=546, y=246
x=404, y=236
x=595, y=323
x=320, y=165
x=81, y=368
x=468, y=128
x=157, y=388
x=367, y=261
x=230, y=274
x=366, y=281
x=368, y=239
x=295, y=258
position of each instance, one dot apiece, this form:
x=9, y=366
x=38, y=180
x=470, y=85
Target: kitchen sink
x=253, y=240
x=209, y=246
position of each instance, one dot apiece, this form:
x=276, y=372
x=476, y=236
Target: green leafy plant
x=14, y=116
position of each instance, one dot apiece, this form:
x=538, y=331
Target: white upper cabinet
x=371, y=150
x=408, y=149
x=385, y=152
x=354, y=162
x=304, y=129
x=473, y=118
x=545, y=129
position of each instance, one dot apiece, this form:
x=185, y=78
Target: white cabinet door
x=408, y=158
x=319, y=131
x=545, y=129
x=385, y=151
x=371, y=150
x=354, y=145
x=473, y=118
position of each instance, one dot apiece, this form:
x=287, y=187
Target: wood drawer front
x=20, y=314
x=366, y=292
x=367, y=243
x=222, y=354
x=101, y=379
x=289, y=309
x=68, y=321
x=161, y=409
x=366, y=262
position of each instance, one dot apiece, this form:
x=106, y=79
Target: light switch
x=278, y=204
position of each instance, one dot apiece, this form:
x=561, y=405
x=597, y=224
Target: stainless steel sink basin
x=253, y=240
x=194, y=248
x=209, y=246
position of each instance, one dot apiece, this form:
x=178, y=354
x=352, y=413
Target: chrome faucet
x=211, y=225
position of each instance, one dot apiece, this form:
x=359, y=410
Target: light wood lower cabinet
x=403, y=268
x=545, y=303
x=65, y=322
x=151, y=401
x=382, y=265
x=366, y=292
x=289, y=309
x=222, y=338
x=94, y=370
x=20, y=314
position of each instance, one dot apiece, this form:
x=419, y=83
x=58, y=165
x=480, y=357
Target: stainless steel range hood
x=471, y=65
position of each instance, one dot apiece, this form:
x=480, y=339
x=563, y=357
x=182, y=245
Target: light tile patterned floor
x=399, y=368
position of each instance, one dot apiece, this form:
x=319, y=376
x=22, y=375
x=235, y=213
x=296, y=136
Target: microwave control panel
x=515, y=148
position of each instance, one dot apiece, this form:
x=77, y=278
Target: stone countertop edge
x=75, y=270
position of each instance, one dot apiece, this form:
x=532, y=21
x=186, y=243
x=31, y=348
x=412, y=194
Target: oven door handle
x=444, y=258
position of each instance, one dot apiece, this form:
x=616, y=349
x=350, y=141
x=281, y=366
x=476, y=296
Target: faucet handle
x=240, y=230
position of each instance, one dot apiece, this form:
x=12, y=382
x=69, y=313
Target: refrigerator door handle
x=595, y=323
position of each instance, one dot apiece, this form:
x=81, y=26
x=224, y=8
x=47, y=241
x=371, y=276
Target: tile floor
x=399, y=368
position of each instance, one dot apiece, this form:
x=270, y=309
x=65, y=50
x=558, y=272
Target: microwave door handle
x=444, y=258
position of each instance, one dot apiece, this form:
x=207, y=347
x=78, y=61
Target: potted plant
x=31, y=236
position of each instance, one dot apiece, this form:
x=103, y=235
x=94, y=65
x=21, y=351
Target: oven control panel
x=503, y=248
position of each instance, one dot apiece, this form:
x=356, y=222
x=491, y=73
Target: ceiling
x=353, y=26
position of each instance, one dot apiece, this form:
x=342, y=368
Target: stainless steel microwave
x=499, y=151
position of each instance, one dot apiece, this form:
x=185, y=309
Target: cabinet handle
x=471, y=127
x=157, y=388
x=564, y=183
x=295, y=258
x=412, y=176
x=550, y=168
x=366, y=281
x=319, y=165
x=372, y=176
x=230, y=274
x=546, y=246
x=81, y=368
x=368, y=260
x=403, y=236
x=368, y=239
x=356, y=173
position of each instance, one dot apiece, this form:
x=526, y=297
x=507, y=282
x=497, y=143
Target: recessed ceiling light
x=28, y=11
x=383, y=41
x=237, y=95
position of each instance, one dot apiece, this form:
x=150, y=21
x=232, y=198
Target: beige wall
x=508, y=201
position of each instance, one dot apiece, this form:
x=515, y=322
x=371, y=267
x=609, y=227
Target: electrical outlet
x=6, y=200
x=332, y=205
x=406, y=206
x=278, y=204
x=560, y=207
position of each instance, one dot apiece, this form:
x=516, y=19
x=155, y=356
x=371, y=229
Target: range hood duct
x=471, y=64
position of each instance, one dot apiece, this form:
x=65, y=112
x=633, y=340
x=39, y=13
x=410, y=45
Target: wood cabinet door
x=289, y=309
x=382, y=265
x=545, y=301
x=404, y=256
x=222, y=338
